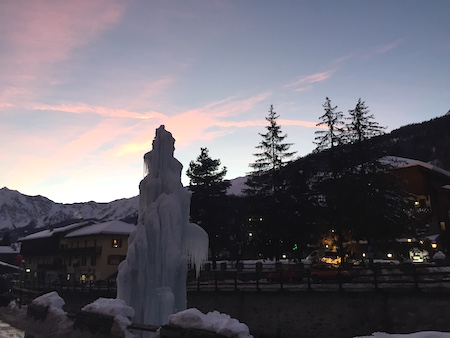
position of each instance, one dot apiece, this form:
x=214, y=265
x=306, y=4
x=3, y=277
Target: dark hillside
x=427, y=141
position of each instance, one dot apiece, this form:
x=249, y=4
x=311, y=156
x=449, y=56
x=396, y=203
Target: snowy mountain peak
x=18, y=210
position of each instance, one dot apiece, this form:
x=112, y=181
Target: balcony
x=89, y=251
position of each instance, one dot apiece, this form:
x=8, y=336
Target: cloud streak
x=305, y=82
x=103, y=111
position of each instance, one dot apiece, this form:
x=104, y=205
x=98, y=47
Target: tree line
x=341, y=193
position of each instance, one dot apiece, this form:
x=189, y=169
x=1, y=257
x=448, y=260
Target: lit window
x=116, y=243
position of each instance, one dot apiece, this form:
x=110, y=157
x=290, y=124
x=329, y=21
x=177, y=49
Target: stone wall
x=330, y=314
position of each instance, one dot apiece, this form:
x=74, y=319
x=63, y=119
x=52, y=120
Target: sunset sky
x=84, y=84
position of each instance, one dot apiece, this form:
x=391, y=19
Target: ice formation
x=152, y=279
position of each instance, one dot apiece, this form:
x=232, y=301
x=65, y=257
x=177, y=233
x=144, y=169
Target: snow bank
x=53, y=301
x=56, y=320
x=116, y=308
x=423, y=334
x=213, y=321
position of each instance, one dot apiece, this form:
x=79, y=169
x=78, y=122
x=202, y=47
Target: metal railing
x=275, y=277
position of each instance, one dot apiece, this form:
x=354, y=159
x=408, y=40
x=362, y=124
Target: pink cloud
x=303, y=83
x=104, y=111
x=59, y=153
x=47, y=31
x=381, y=49
x=39, y=34
x=244, y=124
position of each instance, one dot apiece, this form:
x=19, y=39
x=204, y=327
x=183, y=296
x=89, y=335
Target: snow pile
x=53, y=301
x=116, y=308
x=213, y=321
x=152, y=278
x=56, y=320
x=423, y=334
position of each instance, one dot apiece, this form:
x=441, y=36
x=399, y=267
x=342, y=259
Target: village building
x=430, y=187
x=40, y=253
x=77, y=252
x=94, y=252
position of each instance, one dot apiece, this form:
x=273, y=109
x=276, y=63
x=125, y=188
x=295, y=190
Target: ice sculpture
x=152, y=279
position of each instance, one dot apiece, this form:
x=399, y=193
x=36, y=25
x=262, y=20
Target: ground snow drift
x=213, y=321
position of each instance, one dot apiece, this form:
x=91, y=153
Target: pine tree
x=379, y=203
x=333, y=135
x=205, y=177
x=361, y=126
x=265, y=187
x=273, y=155
x=208, y=200
x=361, y=195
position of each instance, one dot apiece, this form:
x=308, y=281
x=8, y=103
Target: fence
x=229, y=276
x=296, y=277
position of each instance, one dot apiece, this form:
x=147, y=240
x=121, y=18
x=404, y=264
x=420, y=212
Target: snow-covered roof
x=9, y=265
x=433, y=238
x=8, y=250
x=50, y=232
x=112, y=227
x=401, y=162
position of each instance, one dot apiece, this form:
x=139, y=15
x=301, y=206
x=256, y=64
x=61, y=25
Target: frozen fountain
x=152, y=279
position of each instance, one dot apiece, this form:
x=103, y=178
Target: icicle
x=196, y=246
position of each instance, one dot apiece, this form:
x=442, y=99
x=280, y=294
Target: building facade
x=86, y=251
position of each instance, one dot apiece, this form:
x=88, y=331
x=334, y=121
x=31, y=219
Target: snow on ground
x=213, y=321
x=113, y=307
x=14, y=323
x=423, y=334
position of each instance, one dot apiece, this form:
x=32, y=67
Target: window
x=116, y=242
x=83, y=260
x=93, y=260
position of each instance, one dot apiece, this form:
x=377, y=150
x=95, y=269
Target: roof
x=50, y=232
x=112, y=227
x=8, y=250
x=9, y=265
x=401, y=162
